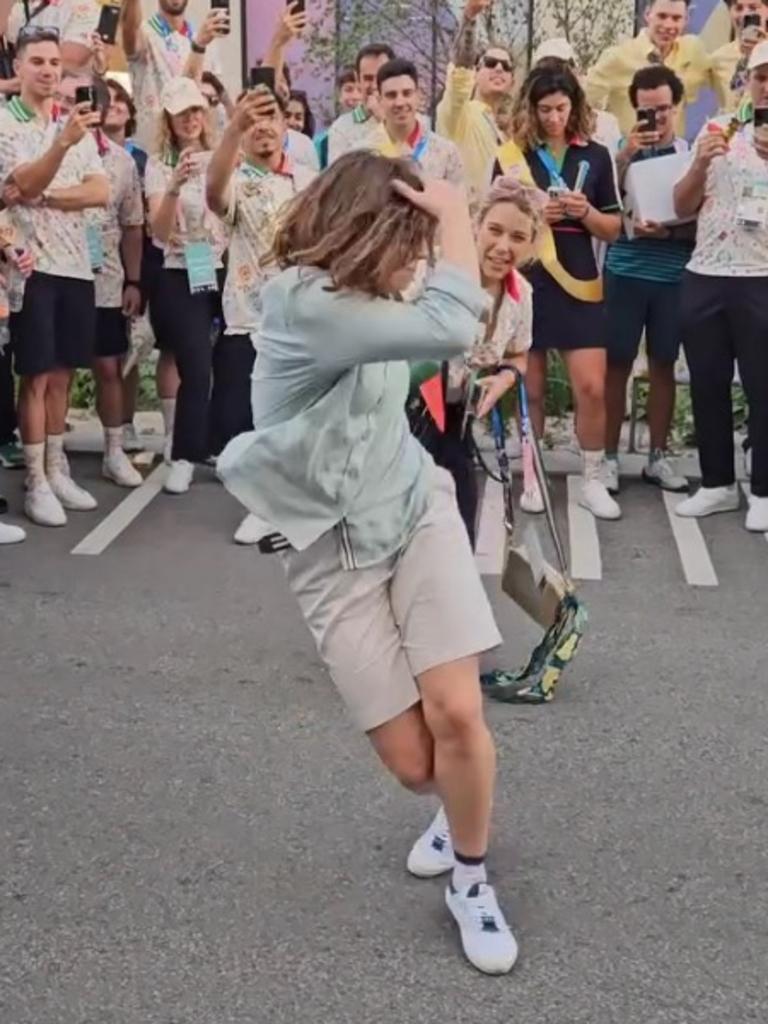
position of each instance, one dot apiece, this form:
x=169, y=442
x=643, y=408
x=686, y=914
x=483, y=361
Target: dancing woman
x=379, y=558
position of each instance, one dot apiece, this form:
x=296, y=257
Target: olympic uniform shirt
x=56, y=238
x=75, y=20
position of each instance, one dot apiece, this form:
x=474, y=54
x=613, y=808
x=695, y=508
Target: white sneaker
x=661, y=473
x=488, y=942
x=707, y=501
x=43, y=507
x=71, y=496
x=596, y=499
x=432, y=853
x=611, y=475
x=251, y=530
x=757, y=516
x=179, y=477
x=117, y=468
x=10, y=534
x=531, y=500
x=131, y=442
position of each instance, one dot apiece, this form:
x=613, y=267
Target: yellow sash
x=511, y=156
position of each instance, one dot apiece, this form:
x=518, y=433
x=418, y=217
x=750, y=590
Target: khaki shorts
x=378, y=628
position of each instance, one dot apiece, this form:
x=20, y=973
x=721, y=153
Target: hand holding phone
x=262, y=77
x=221, y=7
x=86, y=94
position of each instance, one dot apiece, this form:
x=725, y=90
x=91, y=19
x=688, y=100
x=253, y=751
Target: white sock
x=592, y=463
x=55, y=459
x=466, y=875
x=34, y=457
x=113, y=440
x=168, y=406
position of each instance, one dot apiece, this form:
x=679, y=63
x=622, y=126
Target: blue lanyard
x=420, y=148
x=555, y=177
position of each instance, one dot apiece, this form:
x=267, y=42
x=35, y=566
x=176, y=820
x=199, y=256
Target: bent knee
x=414, y=772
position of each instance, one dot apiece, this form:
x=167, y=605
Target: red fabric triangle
x=513, y=286
x=434, y=399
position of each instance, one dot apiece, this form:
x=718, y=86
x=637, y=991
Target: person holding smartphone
x=378, y=556
x=724, y=314
x=163, y=47
x=642, y=286
x=186, y=300
x=552, y=148
x=53, y=175
x=729, y=63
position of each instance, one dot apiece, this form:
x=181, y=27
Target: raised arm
x=130, y=23
x=464, y=51
x=290, y=25
x=33, y=178
x=689, y=190
x=216, y=24
x=226, y=156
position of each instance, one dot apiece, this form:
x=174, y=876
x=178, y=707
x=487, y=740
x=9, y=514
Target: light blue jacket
x=331, y=444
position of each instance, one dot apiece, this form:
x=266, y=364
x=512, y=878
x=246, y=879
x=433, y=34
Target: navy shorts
x=635, y=305
x=111, y=333
x=55, y=329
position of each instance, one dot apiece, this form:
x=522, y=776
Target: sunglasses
x=491, y=63
x=38, y=34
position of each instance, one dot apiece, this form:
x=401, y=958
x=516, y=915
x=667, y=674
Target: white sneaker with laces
x=531, y=501
x=757, y=516
x=10, y=534
x=179, y=477
x=596, y=499
x=251, y=530
x=432, y=853
x=131, y=442
x=117, y=468
x=611, y=476
x=43, y=507
x=661, y=473
x=71, y=496
x=707, y=501
x=487, y=939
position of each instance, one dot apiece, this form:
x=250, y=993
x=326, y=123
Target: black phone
x=299, y=6
x=646, y=119
x=86, y=94
x=751, y=20
x=221, y=5
x=109, y=19
x=262, y=76
x=760, y=117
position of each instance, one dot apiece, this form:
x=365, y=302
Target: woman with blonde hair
x=551, y=148
x=376, y=551
x=186, y=302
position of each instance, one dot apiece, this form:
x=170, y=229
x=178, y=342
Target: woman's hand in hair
x=440, y=199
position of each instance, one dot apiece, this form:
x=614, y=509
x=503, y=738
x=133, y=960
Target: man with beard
x=250, y=178
x=163, y=47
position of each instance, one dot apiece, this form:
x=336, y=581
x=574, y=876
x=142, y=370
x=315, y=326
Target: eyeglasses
x=38, y=34
x=491, y=63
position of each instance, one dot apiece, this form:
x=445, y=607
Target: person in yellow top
x=662, y=42
x=476, y=87
x=729, y=62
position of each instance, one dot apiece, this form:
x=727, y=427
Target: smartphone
x=646, y=119
x=86, y=94
x=221, y=5
x=556, y=191
x=262, y=76
x=299, y=6
x=108, y=22
x=760, y=117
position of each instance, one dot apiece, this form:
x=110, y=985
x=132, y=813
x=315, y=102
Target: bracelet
x=197, y=48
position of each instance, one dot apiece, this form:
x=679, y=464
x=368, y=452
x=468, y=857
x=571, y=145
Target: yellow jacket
x=607, y=84
x=724, y=63
x=470, y=124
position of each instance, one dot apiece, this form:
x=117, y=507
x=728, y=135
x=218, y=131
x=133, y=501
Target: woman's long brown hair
x=540, y=83
x=351, y=223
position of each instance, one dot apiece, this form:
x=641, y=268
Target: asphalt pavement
x=191, y=832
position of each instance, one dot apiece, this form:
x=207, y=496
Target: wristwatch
x=197, y=48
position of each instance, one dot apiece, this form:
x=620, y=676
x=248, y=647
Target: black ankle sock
x=469, y=861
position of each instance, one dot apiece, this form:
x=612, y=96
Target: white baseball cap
x=758, y=56
x=559, y=48
x=182, y=94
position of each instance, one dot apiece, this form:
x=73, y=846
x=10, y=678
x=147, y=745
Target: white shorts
x=378, y=628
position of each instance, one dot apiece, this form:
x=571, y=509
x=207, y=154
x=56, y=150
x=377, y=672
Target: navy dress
x=559, y=320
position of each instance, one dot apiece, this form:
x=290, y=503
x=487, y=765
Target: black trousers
x=725, y=319
x=7, y=397
x=456, y=454
x=233, y=359
x=183, y=323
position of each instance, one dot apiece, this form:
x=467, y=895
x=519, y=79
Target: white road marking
x=746, y=489
x=491, y=534
x=586, y=561
x=121, y=517
x=691, y=546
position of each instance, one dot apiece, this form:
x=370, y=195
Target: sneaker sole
x=421, y=871
x=657, y=483
x=605, y=519
x=710, y=512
